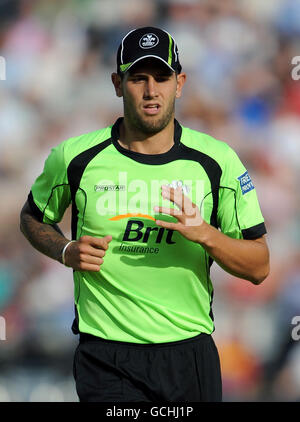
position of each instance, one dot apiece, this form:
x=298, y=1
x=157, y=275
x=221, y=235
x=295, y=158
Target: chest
x=111, y=193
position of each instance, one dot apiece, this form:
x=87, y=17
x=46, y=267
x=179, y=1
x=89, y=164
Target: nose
x=150, y=88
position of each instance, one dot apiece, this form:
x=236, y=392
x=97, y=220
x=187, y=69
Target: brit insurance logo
x=131, y=203
x=149, y=41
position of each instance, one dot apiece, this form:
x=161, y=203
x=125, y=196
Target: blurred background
x=237, y=55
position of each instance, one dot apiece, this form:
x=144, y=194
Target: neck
x=133, y=139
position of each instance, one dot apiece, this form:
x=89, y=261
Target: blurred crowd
x=238, y=58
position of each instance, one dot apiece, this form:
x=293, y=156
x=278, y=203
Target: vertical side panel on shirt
x=239, y=213
x=75, y=171
x=214, y=173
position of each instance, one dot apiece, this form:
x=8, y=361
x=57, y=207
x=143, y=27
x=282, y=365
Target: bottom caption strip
x=161, y=411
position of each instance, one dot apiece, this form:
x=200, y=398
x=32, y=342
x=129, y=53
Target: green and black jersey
x=154, y=285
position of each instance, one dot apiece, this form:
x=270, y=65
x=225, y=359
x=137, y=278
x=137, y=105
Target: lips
x=151, y=108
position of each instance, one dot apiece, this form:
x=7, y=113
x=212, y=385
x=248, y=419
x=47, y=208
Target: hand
x=86, y=254
x=190, y=223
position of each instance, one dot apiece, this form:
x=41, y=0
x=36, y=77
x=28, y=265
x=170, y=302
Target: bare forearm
x=46, y=238
x=85, y=254
x=248, y=259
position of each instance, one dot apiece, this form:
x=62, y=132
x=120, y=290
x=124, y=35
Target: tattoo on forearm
x=46, y=238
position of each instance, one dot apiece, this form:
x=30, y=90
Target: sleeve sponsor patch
x=245, y=183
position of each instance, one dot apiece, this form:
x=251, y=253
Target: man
x=153, y=204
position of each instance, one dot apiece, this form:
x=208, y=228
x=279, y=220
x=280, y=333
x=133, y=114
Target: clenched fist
x=87, y=253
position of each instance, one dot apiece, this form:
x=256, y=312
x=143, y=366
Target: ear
x=181, y=78
x=117, y=82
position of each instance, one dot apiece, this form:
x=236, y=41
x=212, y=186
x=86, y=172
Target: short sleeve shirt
x=154, y=285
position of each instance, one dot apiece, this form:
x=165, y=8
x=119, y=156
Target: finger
x=89, y=267
x=89, y=259
x=174, y=195
x=166, y=225
x=177, y=197
x=86, y=249
x=96, y=252
x=96, y=242
x=170, y=211
x=102, y=242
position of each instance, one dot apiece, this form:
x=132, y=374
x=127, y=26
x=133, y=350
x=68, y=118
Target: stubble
x=150, y=125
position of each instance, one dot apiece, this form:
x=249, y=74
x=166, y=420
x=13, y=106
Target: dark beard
x=149, y=127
